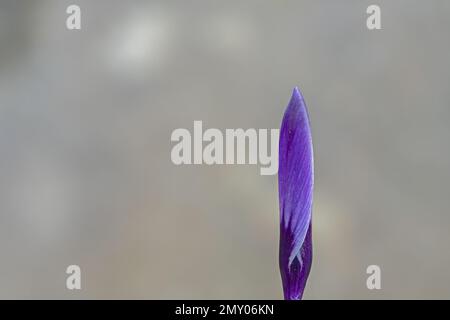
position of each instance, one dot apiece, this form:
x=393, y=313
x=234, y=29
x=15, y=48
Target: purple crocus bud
x=295, y=189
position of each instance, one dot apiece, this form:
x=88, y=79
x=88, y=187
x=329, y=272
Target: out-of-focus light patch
x=42, y=200
x=141, y=43
x=230, y=34
x=333, y=225
x=327, y=217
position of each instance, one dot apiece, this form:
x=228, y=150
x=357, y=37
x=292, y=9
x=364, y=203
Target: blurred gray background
x=85, y=124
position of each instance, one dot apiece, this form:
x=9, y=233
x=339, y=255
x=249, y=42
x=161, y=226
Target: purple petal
x=295, y=188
